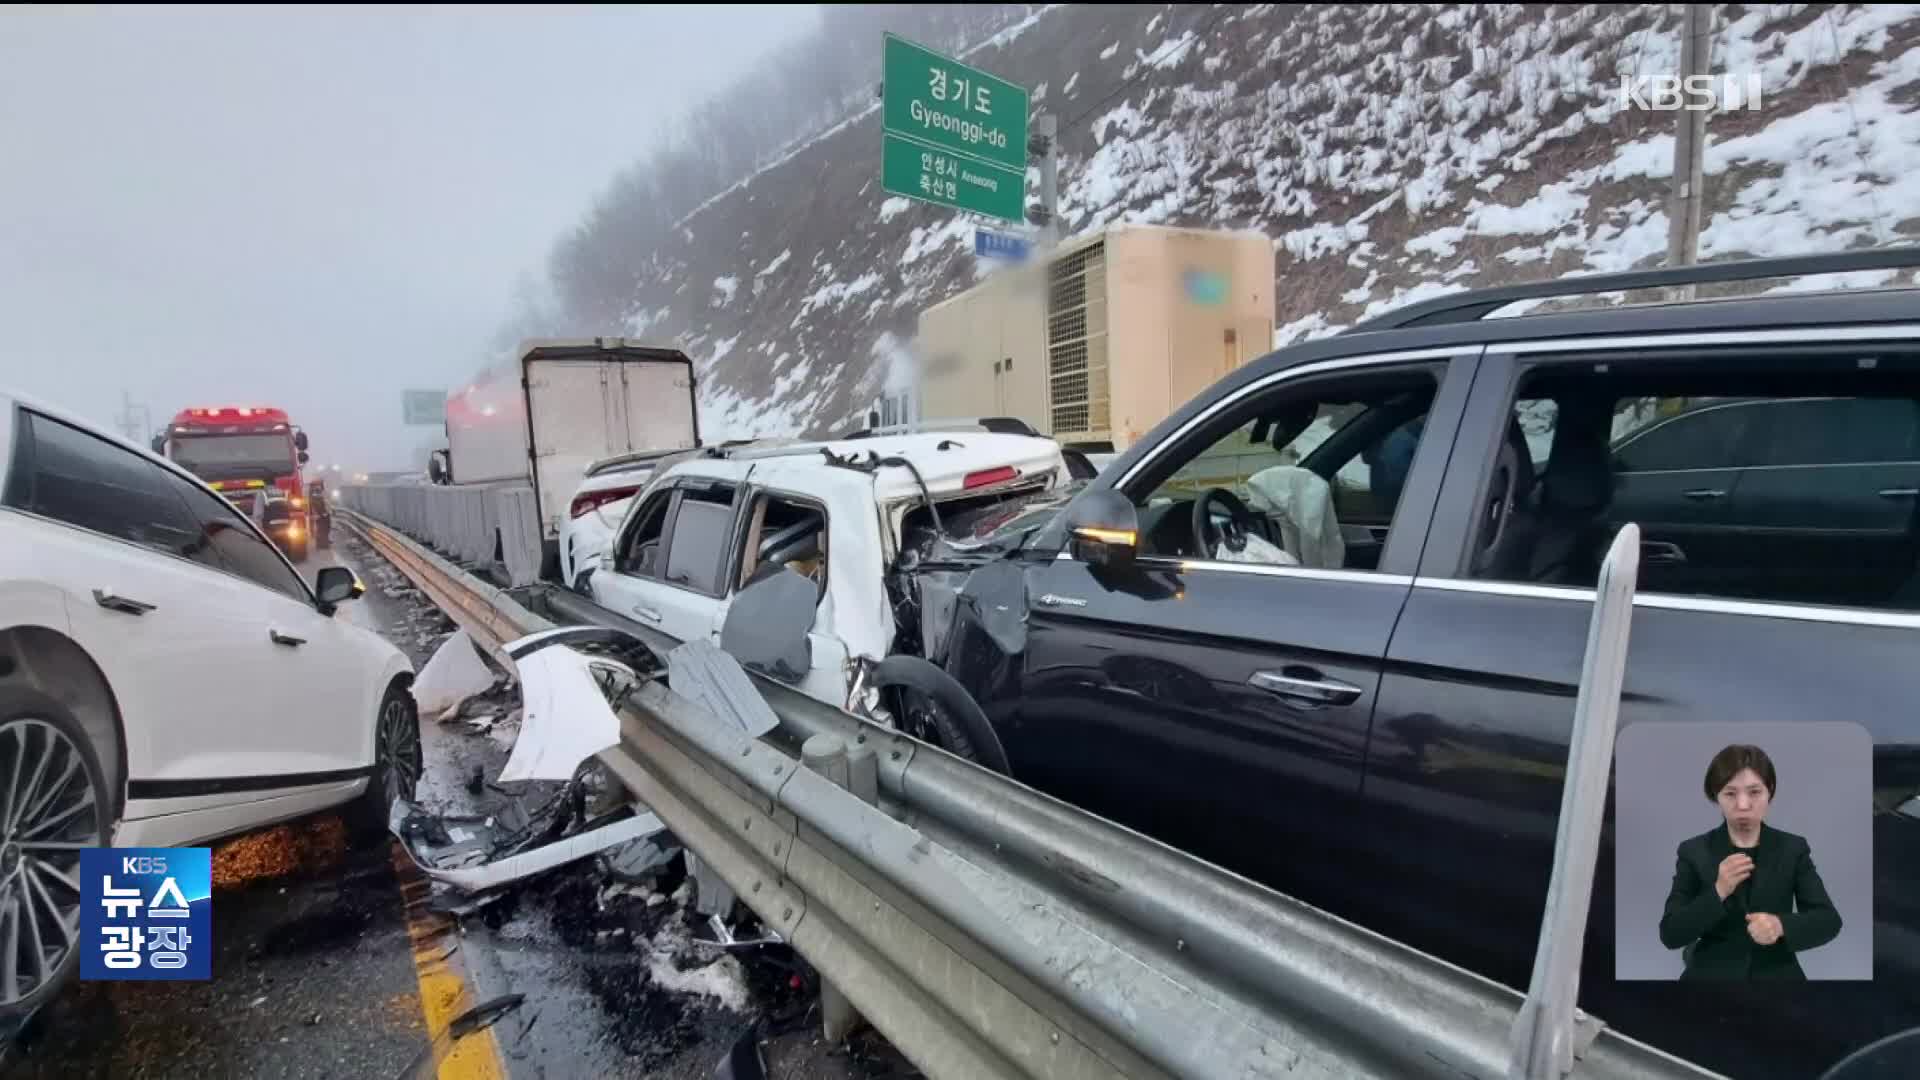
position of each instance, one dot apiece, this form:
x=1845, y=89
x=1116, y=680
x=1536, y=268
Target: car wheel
x=397, y=763
x=53, y=803
x=932, y=706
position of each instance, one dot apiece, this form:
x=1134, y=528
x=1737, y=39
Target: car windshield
x=1005, y=523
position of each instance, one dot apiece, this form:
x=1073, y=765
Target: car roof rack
x=997, y=425
x=1476, y=304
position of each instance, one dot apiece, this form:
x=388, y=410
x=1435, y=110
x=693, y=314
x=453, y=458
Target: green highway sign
x=424, y=406
x=919, y=171
x=952, y=134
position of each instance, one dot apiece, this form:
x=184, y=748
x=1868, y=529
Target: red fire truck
x=252, y=456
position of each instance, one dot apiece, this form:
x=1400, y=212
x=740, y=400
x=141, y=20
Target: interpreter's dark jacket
x=1714, y=932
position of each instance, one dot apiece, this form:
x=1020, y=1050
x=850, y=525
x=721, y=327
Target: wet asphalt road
x=329, y=963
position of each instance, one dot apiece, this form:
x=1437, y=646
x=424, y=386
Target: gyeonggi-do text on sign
x=952, y=134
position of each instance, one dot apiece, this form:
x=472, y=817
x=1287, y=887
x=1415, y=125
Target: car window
x=1307, y=461
x=226, y=543
x=641, y=554
x=1840, y=431
x=784, y=532
x=697, y=542
x=91, y=483
x=1671, y=434
x=1795, y=485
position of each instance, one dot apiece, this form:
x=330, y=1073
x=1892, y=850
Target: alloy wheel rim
x=399, y=750
x=48, y=813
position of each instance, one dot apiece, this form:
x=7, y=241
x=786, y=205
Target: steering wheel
x=1210, y=538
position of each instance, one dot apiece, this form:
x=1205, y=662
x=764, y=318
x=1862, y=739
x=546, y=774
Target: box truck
x=521, y=437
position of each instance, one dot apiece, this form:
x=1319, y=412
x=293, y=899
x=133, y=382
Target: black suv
x=1378, y=723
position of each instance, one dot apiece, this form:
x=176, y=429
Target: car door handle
x=285, y=639
x=1661, y=551
x=1305, y=685
x=106, y=598
x=646, y=613
x=1702, y=494
x=1899, y=493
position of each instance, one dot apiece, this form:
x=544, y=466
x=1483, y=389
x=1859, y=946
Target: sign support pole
x=1046, y=127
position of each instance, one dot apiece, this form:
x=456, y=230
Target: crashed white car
x=808, y=533
x=166, y=677
x=598, y=504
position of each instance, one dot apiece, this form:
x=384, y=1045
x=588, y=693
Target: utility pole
x=1689, y=140
x=1046, y=143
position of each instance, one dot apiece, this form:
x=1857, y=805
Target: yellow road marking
x=444, y=993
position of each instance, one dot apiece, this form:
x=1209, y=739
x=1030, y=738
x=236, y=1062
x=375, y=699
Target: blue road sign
x=993, y=245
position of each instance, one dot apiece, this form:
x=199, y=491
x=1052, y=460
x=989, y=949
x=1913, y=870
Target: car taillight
x=989, y=476
x=593, y=500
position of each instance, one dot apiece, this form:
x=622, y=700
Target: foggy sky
x=313, y=209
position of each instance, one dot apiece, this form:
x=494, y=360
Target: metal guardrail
x=989, y=930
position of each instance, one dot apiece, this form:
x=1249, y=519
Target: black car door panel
x=1222, y=711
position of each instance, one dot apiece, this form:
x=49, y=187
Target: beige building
x=1104, y=337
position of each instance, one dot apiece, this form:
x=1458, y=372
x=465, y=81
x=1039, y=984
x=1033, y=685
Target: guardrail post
x=863, y=773
x=1547, y=1034
x=827, y=755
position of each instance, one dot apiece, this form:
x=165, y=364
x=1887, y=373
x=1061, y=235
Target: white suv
x=166, y=677
x=710, y=526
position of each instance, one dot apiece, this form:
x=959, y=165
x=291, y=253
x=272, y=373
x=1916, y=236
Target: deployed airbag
x=1301, y=501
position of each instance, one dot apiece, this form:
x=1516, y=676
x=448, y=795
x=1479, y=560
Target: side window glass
x=698, y=543
x=91, y=483
x=1790, y=485
x=1841, y=431
x=225, y=542
x=642, y=555
x=784, y=533
x=1673, y=434
x=1305, y=476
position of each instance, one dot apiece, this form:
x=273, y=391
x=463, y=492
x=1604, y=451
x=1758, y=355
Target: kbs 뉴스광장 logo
x=146, y=913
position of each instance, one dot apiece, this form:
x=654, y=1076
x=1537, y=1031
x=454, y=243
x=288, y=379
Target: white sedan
x=598, y=505
x=166, y=678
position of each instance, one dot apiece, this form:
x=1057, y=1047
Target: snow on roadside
x=726, y=287
x=779, y=261
x=894, y=207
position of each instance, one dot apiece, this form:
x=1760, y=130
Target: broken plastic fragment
x=453, y=674
x=454, y=850
x=564, y=718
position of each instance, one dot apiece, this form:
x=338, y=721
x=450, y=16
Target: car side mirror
x=1103, y=530
x=160, y=444
x=336, y=585
x=300, y=441
x=303, y=457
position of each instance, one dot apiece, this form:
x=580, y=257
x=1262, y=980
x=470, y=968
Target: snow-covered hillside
x=1391, y=151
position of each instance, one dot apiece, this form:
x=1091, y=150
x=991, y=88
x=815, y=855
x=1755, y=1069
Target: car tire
x=40, y=738
x=931, y=704
x=397, y=764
